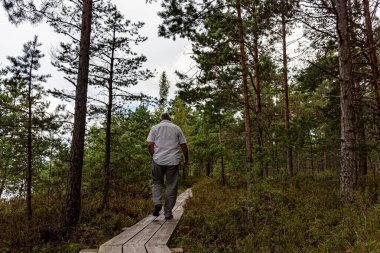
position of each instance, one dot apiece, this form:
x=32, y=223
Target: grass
x=44, y=233
x=274, y=215
x=302, y=215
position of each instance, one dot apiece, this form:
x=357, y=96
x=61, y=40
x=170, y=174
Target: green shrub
x=45, y=233
x=274, y=215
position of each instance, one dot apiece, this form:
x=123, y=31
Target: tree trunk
x=184, y=172
x=73, y=194
x=208, y=168
x=257, y=89
x=107, y=155
x=374, y=65
x=3, y=181
x=222, y=156
x=50, y=168
x=247, y=117
x=347, y=174
x=362, y=152
x=289, y=153
x=223, y=173
x=276, y=158
x=361, y=156
x=29, y=171
x=312, y=169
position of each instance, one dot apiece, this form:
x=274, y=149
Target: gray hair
x=165, y=116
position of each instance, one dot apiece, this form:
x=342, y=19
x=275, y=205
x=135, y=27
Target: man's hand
x=185, y=151
x=151, y=149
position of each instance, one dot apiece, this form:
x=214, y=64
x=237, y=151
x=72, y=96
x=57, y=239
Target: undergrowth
x=44, y=233
x=275, y=215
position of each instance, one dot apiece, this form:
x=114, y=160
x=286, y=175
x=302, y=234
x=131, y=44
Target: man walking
x=164, y=142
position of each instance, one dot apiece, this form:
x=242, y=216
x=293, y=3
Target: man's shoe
x=157, y=209
x=169, y=217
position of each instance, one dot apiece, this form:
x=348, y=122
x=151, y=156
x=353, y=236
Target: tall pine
x=73, y=193
x=27, y=96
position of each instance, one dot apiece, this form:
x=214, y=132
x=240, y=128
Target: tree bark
x=371, y=45
x=222, y=155
x=208, y=167
x=73, y=193
x=361, y=156
x=258, y=106
x=29, y=171
x=184, y=172
x=362, y=152
x=311, y=150
x=347, y=174
x=243, y=63
x=3, y=180
x=276, y=157
x=289, y=153
x=107, y=155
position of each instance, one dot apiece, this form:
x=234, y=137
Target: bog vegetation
x=299, y=215
x=281, y=113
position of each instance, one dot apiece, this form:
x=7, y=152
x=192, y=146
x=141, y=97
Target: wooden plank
x=88, y=251
x=181, y=199
x=162, y=236
x=137, y=243
x=134, y=248
x=176, y=250
x=159, y=249
x=135, y=237
x=115, y=245
x=157, y=244
x=167, y=229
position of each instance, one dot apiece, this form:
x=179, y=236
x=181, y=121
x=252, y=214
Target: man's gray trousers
x=158, y=173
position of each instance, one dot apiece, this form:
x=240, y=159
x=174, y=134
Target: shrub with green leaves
x=274, y=215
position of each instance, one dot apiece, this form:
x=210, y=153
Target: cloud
x=162, y=54
x=181, y=62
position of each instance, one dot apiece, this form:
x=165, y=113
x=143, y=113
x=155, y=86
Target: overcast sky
x=163, y=54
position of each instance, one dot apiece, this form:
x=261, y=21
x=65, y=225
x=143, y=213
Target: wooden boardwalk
x=150, y=235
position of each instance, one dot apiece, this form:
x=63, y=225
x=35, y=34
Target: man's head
x=165, y=116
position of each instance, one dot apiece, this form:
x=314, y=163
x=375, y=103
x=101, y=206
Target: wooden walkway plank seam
x=150, y=235
x=152, y=228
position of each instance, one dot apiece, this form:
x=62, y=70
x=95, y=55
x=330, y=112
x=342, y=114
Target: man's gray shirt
x=167, y=138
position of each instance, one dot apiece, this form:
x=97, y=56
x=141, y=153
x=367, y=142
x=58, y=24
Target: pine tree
x=374, y=65
x=114, y=67
x=21, y=10
x=243, y=64
x=73, y=193
x=219, y=47
x=287, y=12
x=164, y=92
x=29, y=94
x=348, y=178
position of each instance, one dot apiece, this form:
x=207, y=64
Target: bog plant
x=275, y=215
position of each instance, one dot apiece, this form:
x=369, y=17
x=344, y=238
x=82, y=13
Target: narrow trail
x=150, y=235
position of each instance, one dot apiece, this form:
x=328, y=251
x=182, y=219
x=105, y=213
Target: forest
x=281, y=112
